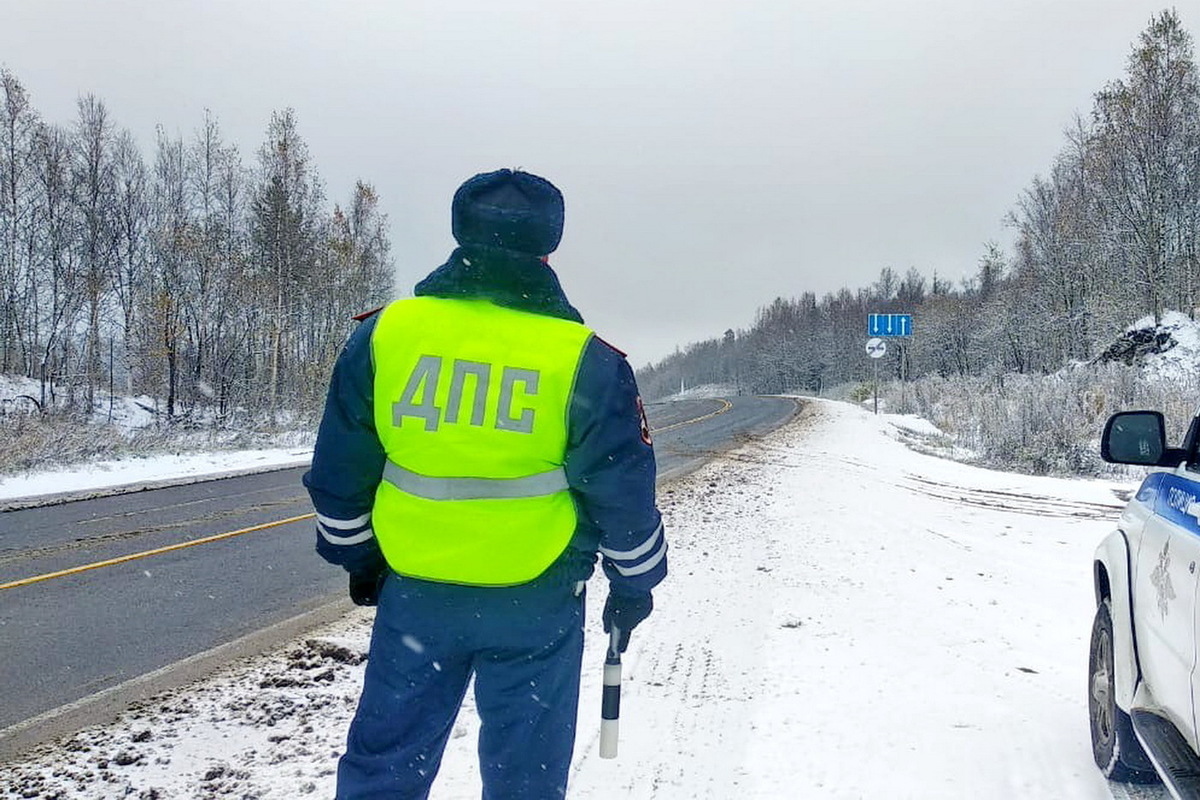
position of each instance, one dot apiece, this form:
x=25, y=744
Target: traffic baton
x=610, y=705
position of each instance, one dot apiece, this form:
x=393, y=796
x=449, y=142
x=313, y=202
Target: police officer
x=480, y=445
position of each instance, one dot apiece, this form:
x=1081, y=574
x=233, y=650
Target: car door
x=1164, y=596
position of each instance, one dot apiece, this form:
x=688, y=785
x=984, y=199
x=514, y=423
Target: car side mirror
x=1138, y=437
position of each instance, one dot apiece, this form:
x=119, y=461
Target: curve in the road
x=725, y=406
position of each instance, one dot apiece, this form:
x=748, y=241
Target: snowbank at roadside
x=180, y=468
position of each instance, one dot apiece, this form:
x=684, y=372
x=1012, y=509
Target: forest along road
x=73, y=627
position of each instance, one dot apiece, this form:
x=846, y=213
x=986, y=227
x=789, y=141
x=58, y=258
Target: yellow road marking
x=728, y=405
x=154, y=552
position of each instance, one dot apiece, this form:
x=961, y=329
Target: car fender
x=1111, y=579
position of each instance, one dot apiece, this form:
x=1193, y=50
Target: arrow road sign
x=889, y=325
x=876, y=348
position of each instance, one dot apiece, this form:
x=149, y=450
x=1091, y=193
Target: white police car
x=1144, y=684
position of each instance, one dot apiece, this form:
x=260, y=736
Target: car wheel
x=1114, y=745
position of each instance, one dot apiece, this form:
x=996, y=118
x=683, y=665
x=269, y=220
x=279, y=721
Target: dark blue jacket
x=609, y=460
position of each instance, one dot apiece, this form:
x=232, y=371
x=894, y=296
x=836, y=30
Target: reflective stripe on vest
x=432, y=488
x=471, y=407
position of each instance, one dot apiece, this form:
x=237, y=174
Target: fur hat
x=509, y=209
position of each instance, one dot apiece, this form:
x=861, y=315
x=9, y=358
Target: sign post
x=876, y=348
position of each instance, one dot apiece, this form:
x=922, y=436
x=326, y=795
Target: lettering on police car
x=418, y=399
x=1174, y=498
x=1183, y=501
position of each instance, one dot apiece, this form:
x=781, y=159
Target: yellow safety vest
x=471, y=406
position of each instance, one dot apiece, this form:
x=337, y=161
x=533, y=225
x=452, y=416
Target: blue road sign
x=889, y=325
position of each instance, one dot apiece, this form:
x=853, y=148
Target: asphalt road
x=688, y=433
x=69, y=637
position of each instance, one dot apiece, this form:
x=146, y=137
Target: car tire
x=1116, y=749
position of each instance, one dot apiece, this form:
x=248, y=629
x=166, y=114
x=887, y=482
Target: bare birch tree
x=18, y=126
x=130, y=262
x=56, y=291
x=172, y=244
x=94, y=193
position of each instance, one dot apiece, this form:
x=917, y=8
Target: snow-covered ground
x=845, y=617
x=180, y=468
x=1179, y=362
x=123, y=416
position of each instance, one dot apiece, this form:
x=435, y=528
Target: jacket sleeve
x=348, y=460
x=610, y=468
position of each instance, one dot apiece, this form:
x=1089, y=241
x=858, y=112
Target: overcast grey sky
x=713, y=154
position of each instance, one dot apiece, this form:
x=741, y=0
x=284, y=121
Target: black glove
x=365, y=585
x=624, y=612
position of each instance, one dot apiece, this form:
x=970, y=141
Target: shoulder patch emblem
x=644, y=422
